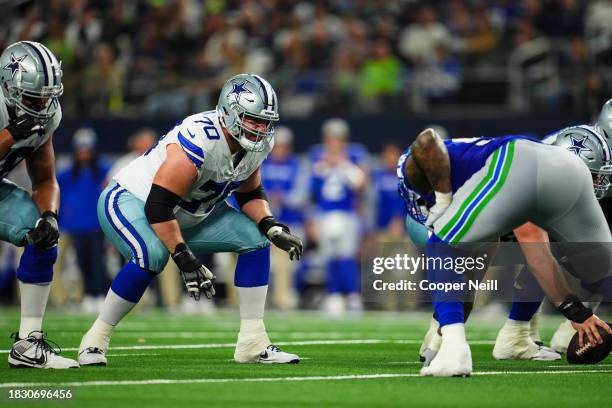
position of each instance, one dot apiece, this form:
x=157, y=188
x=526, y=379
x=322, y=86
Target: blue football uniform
x=467, y=156
x=281, y=177
x=389, y=204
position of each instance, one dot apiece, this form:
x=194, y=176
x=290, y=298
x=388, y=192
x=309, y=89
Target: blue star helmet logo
x=15, y=65
x=578, y=145
x=238, y=88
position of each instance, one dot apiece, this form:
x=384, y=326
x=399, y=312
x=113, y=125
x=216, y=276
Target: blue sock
x=526, y=297
x=333, y=282
x=448, y=305
x=36, y=265
x=348, y=274
x=131, y=282
x=523, y=311
x=253, y=268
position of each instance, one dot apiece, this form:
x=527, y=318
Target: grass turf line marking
x=280, y=343
x=131, y=354
x=275, y=379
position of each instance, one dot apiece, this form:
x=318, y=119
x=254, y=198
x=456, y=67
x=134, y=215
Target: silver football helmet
x=248, y=96
x=588, y=144
x=31, y=79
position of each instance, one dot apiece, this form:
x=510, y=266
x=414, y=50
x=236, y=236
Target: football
x=588, y=354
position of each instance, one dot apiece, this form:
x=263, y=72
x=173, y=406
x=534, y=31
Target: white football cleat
x=534, y=329
x=562, y=337
x=92, y=356
x=431, y=341
x=515, y=343
x=452, y=360
x=274, y=355
x=92, y=350
x=35, y=352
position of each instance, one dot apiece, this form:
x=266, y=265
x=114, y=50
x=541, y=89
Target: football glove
x=196, y=276
x=443, y=201
x=46, y=232
x=280, y=236
x=23, y=127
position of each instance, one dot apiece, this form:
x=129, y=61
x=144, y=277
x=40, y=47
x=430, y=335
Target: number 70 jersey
x=201, y=138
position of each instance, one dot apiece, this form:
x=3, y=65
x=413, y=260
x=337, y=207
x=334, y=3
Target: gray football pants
x=526, y=181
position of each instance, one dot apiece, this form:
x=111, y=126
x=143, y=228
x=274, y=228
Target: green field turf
x=171, y=360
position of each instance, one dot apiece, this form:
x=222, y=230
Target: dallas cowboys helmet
x=247, y=95
x=31, y=79
x=604, y=121
x=591, y=147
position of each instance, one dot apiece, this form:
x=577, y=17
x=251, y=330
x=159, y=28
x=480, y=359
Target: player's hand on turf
x=196, y=276
x=46, y=232
x=589, y=328
x=443, y=201
x=281, y=236
x=23, y=127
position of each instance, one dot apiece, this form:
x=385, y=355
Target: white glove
x=443, y=201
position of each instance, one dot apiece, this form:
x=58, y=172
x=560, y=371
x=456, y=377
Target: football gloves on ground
x=46, y=232
x=23, y=127
x=196, y=276
x=280, y=236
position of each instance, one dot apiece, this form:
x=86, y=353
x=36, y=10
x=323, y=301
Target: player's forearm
x=6, y=141
x=546, y=270
x=431, y=157
x=169, y=233
x=257, y=210
x=46, y=195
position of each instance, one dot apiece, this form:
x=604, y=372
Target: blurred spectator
x=335, y=187
x=80, y=184
x=282, y=175
x=418, y=41
x=380, y=74
x=102, y=86
x=390, y=208
x=138, y=144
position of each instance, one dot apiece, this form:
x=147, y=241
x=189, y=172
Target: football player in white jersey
x=31, y=82
x=172, y=200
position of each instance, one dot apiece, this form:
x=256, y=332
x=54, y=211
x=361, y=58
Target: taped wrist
x=160, y=205
x=257, y=194
x=573, y=309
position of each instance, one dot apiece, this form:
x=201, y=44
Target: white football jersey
x=201, y=138
x=23, y=148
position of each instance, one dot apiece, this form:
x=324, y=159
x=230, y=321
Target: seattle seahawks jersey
x=467, y=156
x=23, y=148
x=201, y=138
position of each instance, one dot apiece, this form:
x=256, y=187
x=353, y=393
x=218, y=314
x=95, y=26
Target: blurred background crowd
x=356, y=79
x=169, y=57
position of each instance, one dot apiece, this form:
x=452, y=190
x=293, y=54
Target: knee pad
x=253, y=268
x=36, y=265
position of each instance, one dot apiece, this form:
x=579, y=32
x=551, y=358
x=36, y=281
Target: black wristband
x=257, y=194
x=160, y=204
x=573, y=309
x=49, y=213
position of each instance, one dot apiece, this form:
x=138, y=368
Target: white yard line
x=272, y=379
x=280, y=343
x=131, y=354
